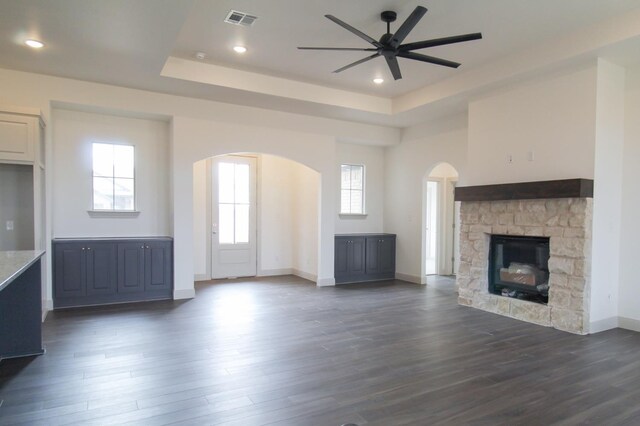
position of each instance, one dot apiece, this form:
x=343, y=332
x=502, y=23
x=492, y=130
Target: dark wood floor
x=281, y=351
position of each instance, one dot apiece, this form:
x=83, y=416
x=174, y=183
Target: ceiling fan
x=390, y=45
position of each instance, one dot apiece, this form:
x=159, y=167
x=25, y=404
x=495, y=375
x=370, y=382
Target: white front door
x=233, y=221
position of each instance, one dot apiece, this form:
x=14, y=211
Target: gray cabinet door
x=101, y=269
x=373, y=255
x=130, y=267
x=341, y=266
x=157, y=271
x=387, y=255
x=70, y=270
x=356, y=256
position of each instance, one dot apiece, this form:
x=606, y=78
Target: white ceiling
x=128, y=43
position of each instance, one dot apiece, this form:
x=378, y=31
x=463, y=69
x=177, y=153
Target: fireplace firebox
x=519, y=267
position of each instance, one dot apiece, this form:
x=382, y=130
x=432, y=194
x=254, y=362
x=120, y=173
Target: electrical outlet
x=9, y=225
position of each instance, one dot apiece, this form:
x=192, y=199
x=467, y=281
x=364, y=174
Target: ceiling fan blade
x=408, y=25
x=440, y=41
x=353, y=30
x=353, y=64
x=394, y=67
x=339, y=48
x=429, y=59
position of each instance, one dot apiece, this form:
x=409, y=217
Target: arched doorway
x=440, y=220
x=277, y=218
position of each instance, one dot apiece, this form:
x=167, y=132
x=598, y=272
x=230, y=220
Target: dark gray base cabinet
x=364, y=257
x=102, y=271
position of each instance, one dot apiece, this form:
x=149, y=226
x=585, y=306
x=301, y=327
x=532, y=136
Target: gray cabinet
x=364, y=257
x=102, y=271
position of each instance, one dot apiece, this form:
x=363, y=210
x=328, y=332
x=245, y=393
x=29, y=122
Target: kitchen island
x=20, y=303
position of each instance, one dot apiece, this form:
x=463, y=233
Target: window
x=113, y=178
x=352, y=189
x=233, y=203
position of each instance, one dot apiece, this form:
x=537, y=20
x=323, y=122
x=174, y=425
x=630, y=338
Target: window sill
x=352, y=215
x=113, y=213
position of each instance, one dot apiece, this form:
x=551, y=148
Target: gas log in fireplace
x=519, y=267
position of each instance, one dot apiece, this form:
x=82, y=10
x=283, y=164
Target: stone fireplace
x=558, y=210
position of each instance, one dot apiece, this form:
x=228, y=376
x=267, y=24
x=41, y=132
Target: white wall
x=554, y=118
x=300, y=133
x=306, y=217
x=201, y=245
x=607, y=196
x=406, y=168
x=373, y=160
x=276, y=214
x=73, y=133
x=629, y=290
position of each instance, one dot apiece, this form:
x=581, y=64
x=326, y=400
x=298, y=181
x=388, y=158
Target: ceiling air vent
x=240, y=18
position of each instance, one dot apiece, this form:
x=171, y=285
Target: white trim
x=275, y=272
x=325, y=282
x=629, y=324
x=47, y=306
x=201, y=277
x=411, y=278
x=189, y=293
x=353, y=215
x=113, y=213
x=306, y=275
x=604, y=325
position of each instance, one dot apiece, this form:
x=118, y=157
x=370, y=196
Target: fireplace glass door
x=519, y=267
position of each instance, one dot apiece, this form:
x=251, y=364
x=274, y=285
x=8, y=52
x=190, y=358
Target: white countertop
x=14, y=263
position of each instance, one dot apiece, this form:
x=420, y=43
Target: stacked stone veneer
x=567, y=223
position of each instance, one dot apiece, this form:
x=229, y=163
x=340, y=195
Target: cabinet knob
x=147, y=247
x=141, y=247
x=82, y=248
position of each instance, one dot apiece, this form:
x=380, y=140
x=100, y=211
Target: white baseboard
x=411, y=278
x=604, y=325
x=629, y=323
x=276, y=272
x=189, y=293
x=306, y=275
x=326, y=282
x=47, y=305
x=201, y=277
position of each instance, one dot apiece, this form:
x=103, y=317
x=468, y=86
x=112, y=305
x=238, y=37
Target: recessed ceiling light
x=239, y=49
x=200, y=55
x=378, y=80
x=34, y=43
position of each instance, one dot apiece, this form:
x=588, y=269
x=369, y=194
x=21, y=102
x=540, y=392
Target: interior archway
x=440, y=252
x=287, y=212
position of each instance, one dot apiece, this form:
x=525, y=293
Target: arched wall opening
x=440, y=221
x=195, y=139
x=287, y=209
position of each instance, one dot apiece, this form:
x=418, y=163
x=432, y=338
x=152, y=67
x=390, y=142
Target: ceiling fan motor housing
x=388, y=16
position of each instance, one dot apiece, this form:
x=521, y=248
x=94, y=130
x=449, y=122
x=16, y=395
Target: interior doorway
x=440, y=220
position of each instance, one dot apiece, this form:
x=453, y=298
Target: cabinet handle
x=141, y=247
x=88, y=248
x=82, y=248
x=147, y=247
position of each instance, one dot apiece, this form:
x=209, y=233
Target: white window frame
x=364, y=179
x=114, y=211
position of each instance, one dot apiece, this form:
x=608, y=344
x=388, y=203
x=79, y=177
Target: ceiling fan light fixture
x=378, y=80
x=239, y=49
x=35, y=44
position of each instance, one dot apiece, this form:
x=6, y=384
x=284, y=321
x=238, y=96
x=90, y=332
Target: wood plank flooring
x=281, y=351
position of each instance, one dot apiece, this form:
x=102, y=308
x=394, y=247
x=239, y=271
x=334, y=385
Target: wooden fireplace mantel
x=566, y=188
